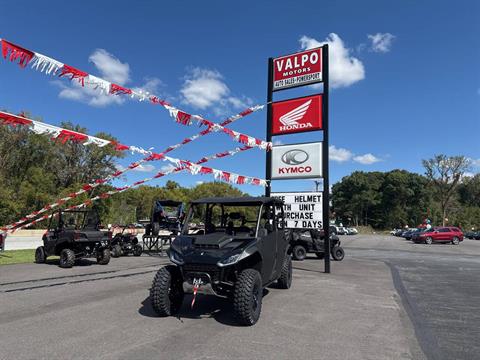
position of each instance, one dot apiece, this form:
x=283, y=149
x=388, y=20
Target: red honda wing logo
x=297, y=115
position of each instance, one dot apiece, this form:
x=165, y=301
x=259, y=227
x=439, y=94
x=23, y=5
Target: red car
x=441, y=234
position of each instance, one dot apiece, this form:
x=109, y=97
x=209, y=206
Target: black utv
x=242, y=249
x=125, y=243
x=303, y=241
x=73, y=235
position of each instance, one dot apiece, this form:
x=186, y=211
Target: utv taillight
x=109, y=234
x=76, y=235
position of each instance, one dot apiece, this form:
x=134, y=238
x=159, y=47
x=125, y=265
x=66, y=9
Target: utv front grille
x=212, y=270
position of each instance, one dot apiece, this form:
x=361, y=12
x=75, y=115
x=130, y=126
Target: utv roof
x=169, y=202
x=247, y=200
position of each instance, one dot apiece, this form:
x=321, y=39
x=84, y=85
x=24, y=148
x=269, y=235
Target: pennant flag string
x=51, y=66
x=239, y=179
x=42, y=128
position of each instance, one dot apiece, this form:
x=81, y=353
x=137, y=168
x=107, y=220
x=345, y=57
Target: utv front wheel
x=116, y=251
x=247, y=297
x=338, y=253
x=137, y=250
x=40, y=255
x=285, y=280
x=67, y=258
x=103, y=256
x=299, y=252
x=166, y=293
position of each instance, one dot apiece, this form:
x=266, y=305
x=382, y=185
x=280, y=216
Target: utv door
x=268, y=240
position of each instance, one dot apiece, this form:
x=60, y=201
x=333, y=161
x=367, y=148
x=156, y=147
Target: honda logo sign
x=297, y=115
x=297, y=69
x=297, y=161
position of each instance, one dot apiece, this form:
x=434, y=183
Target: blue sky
x=407, y=82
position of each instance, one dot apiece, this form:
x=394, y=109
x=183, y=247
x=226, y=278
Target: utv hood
x=210, y=248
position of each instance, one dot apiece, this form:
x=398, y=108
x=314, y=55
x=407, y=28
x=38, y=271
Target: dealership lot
x=389, y=298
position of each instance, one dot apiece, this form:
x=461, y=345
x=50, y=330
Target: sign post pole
x=326, y=183
x=268, y=162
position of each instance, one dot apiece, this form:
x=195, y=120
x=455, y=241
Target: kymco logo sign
x=297, y=115
x=297, y=69
x=297, y=161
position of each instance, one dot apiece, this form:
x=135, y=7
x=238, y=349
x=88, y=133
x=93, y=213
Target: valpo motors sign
x=297, y=161
x=297, y=115
x=297, y=69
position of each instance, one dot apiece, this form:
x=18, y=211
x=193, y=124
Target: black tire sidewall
x=67, y=258
x=248, y=286
x=40, y=255
x=162, y=303
x=338, y=253
x=299, y=252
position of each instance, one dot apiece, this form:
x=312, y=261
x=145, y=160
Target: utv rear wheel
x=338, y=253
x=166, y=293
x=137, y=250
x=103, y=256
x=428, y=240
x=67, y=258
x=116, y=251
x=285, y=280
x=40, y=255
x=455, y=240
x=247, y=297
x=299, y=252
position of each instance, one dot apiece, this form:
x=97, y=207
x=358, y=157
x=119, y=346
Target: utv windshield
x=223, y=218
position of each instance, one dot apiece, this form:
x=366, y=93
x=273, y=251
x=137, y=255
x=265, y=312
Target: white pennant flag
x=46, y=64
x=97, y=83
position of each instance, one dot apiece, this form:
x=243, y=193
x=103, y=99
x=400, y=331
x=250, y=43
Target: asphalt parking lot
x=389, y=299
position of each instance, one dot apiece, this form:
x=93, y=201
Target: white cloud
x=166, y=168
x=145, y=168
x=277, y=142
x=381, y=42
x=110, y=67
x=199, y=182
x=343, y=155
x=152, y=85
x=345, y=69
x=205, y=88
x=339, y=154
x=140, y=168
x=74, y=91
x=475, y=162
x=366, y=159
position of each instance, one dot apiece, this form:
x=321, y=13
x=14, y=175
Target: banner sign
x=303, y=210
x=297, y=115
x=297, y=69
x=297, y=161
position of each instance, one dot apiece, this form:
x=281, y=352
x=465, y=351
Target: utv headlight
x=232, y=259
x=175, y=257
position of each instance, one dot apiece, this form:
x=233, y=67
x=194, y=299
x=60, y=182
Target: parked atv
x=303, y=241
x=164, y=224
x=243, y=249
x=73, y=235
x=125, y=243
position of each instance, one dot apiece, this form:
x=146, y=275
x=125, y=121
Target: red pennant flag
x=206, y=170
x=16, y=52
x=14, y=120
x=241, y=179
x=255, y=181
x=66, y=135
x=243, y=139
x=118, y=90
x=183, y=118
x=75, y=74
x=226, y=175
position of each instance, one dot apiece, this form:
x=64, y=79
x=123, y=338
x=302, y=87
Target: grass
x=17, y=256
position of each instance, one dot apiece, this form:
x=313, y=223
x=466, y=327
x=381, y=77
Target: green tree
x=445, y=174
